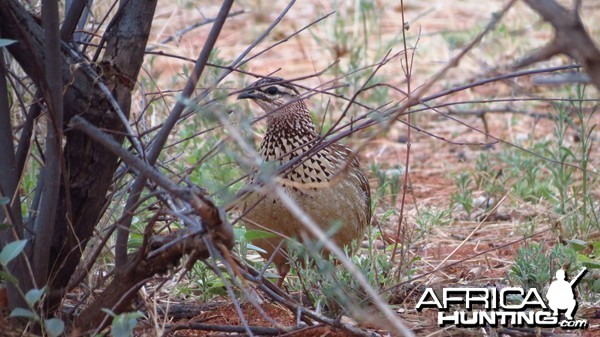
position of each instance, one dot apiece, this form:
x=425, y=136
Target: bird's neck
x=291, y=121
x=288, y=130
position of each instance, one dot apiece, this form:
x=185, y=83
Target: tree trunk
x=88, y=167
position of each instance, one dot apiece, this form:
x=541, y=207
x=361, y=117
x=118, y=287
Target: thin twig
x=145, y=170
x=260, y=330
x=407, y=67
x=164, y=132
x=180, y=33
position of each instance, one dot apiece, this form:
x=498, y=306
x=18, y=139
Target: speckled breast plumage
x=330, y=190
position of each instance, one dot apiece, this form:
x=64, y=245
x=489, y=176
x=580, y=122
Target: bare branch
x=24, y=144
x=560, y=79
x=203, y=207
x=50, y=185
x=163, y=133
x=9, y=178
x=72, y=17
x=180, y=33
x=571, y=38
x=162, y=253
x=9, y=173
x=260, y=330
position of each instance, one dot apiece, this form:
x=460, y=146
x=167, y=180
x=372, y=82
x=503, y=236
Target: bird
x=328, y=185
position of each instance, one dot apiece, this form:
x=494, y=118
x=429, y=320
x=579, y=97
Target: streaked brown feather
x=329, y=184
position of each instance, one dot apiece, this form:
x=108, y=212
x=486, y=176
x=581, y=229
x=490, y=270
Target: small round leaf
x=21, y=312
x=34, y=295
x=11, y=250
x=54, y=326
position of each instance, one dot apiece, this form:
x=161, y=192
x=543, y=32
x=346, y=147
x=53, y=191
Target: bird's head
x=273, y=94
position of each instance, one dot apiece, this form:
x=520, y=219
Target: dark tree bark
x=87, y=106
x=88, y=166
x=11, y=213
x=52, y=91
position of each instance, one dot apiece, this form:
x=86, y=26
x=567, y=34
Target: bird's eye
x=271, y=90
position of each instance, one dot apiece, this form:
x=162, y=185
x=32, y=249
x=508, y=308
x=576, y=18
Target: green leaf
x=6, y=42
x=255, y=234
x=26, y=313
x=415, y=259
x=123, y=324
x=11, y=250
x=54, y=326
x=596, y=246
x=238, y=233
x=108, y=312
x=9, y=277
x=34, y=295
x=387, y=214
x=588, y=262
x=256, y=248
x=4, y=226
x=578, y=245
x=596, y=286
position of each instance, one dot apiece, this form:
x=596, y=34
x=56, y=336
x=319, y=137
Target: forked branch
x=571, y=38
x=205, y=225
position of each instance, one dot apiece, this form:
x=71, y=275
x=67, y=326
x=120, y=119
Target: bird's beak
x=248, y=94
